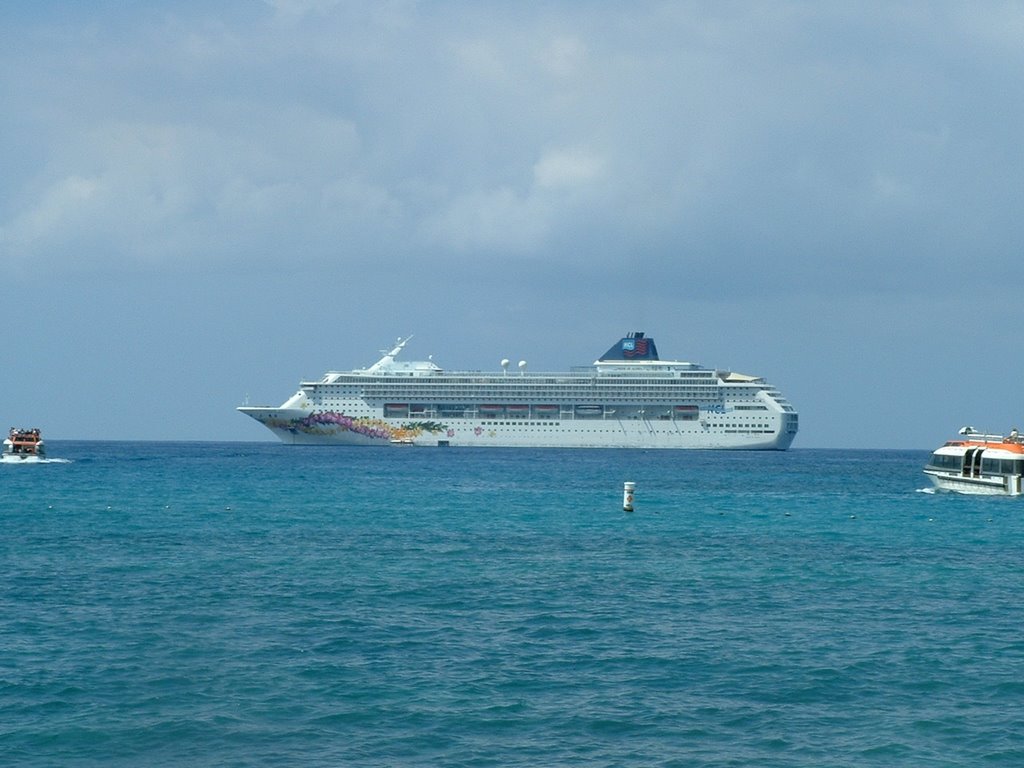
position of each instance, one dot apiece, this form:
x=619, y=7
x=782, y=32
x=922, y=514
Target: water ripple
x=262, y=606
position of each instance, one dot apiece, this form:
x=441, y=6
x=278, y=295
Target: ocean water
x=216, y=604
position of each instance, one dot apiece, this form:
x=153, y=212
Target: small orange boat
x=23, y=444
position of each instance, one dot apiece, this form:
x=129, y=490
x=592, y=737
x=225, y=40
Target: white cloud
x=62, y=210
x=891, y=190
x=297, y=8
x=495, y=220
x=505, y=221
x=568, y=168
x=483, y=60
x=564, y=56
x=674, y=129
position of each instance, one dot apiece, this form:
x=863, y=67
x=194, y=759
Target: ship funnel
x=632, y=346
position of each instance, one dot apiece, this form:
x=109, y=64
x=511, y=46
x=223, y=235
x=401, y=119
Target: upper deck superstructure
x=628, y=397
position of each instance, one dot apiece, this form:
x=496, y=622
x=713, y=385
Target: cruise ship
x=628, y=398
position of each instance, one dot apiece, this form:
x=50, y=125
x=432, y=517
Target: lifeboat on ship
x=991, y=465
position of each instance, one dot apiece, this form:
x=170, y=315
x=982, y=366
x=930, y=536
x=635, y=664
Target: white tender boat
x=978, y=463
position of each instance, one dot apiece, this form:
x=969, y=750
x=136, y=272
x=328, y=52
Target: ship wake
x=33, y=460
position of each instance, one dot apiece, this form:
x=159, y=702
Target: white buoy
x=627, y=496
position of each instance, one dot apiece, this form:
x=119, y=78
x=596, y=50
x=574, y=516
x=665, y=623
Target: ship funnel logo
x=634, y=347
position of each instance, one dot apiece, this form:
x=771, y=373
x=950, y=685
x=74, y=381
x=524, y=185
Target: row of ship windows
x=615, y=409
x=552, y=422
x=567, y=430
x=621, y=401
x=988, y=466
x=541, y=395
x=517, y=386
x=562, y=425
x=750, y=403
x=700, y=378
x=518, y=381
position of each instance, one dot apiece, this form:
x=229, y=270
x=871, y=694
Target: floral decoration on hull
x=377, y=429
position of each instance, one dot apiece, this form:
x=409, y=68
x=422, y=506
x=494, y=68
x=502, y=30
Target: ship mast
x=389, y=356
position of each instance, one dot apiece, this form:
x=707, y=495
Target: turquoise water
x=170, y=604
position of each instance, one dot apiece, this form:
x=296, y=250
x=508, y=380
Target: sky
x=203, y=202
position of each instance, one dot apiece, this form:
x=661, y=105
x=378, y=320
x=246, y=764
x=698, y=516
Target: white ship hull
x=293, y=427
x=629, y=398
